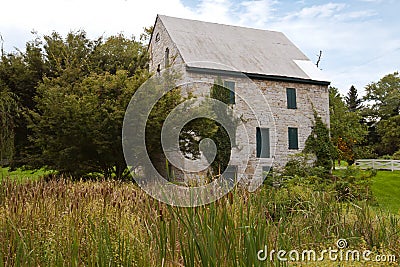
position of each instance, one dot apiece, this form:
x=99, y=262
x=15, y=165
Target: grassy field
x=386, y=188
x=58, y=223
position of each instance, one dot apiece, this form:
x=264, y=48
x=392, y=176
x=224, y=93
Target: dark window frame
x=232, y=99
x=229, y=171
x=166, y=57
x=293, y=138
x=291, y=98
x=263, y=150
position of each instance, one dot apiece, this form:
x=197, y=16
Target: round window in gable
x=157, y=37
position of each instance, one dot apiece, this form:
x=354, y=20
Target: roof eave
x=220, y=72
x=286, y=79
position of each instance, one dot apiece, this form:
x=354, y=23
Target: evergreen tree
x=352, y=101
x=347, y=131
x=8, y=107
x=73, y=93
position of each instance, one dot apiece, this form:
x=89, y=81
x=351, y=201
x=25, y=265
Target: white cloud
x=360, y=14
x=214, y=11
x=94, y=16
x=317, y=11
x=371, y=1
x=257, y=13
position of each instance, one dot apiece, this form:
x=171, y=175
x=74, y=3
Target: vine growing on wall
x=319, y=143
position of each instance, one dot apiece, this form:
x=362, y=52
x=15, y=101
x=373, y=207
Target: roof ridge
x=221, y=24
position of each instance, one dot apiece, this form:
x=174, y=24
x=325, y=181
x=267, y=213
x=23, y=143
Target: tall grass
x=58, y=223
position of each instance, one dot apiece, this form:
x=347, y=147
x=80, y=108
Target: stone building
x=270, y=76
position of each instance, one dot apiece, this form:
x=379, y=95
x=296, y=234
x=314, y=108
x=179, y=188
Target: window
x=231, y=86
x=265, y=171
x=291, y=98
x=293, y=138
x=157, y=37
x=166, y=57
x=230, y=173
x=262, y=142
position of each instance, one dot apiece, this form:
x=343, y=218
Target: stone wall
x=274, y=115
x=157, y=48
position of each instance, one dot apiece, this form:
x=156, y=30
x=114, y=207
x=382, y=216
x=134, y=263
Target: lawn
x=22, y=175
x=386, y=188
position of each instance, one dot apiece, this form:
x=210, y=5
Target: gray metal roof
x=242, y=49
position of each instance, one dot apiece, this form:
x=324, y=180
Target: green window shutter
x=291, y=98
x=258, y=141
x=262, y=143
x=293, y=138
x=231, y=86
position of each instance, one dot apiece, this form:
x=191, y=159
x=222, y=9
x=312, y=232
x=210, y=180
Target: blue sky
x=359, y=39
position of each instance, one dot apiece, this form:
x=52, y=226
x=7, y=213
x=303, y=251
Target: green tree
x=77, y=127
x=8, y=107
x=319, y=143
x=384, y=97
x=69, y=58
x=80, y=103
x=20, y=72
x=347, y=131
x=157, y=116
x=220, y=136
x=118, y=53
x=389, y=131
x=194, y=131
x=190, y=135
x=352, y=101
x=382, y=113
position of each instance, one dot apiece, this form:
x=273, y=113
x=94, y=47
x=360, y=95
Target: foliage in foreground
x=351, y=184
x=59, y=222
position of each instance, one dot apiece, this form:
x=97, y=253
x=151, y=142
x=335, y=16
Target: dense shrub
x=352, y=184
x=302, y=165
x=396, y=156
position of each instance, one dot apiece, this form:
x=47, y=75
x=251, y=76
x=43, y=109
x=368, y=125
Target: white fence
x=379, y=164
